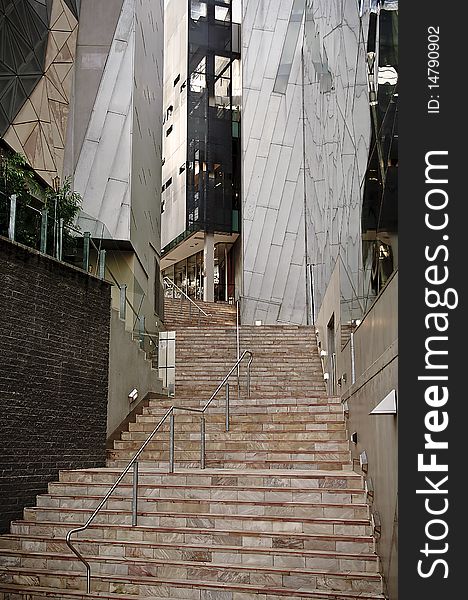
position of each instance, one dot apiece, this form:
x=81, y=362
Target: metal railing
x=170, y=414
x=183, y=296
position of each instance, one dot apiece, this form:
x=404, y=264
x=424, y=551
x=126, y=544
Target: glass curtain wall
x=213, y=98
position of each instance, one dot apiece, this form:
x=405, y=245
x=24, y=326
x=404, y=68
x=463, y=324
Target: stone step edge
x=81, y=595
x=189, y=564
x=132, y=579
x=279, y=473
x=238, y=488
x=235, y=517
x=212, y=547
x=220, y=501
x=201, y=530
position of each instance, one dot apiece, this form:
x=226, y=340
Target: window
x=198, y=10
x=169, y=131
x=176, y=80
x=168, y=182
x=181, y=169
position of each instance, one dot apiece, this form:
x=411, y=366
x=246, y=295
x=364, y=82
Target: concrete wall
x=54, y=323
x=128, y=369
x=376, y=374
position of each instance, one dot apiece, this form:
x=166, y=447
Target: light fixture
x=354, y=437
x=133, y=395
x=326, y=376
x=346, y=408
x=258, y=323
x=363, y=461
x=387, y=406
x=323, y=353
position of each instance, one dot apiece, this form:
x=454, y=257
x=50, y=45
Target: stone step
x=238, y=410
x=278, y=557
x=323, y=413
x=239, y=464
x=246, y=572
x=315, y=456
x=325, y=525
x=241, y=445
x=256, y=506
x=252, y=401
x=226, y=479
x=173, y=534
x=322, y=435
x=130, y=573
x=183, y=591
x=317, y=430
x=208, y=492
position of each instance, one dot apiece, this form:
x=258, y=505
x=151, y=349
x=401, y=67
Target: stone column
x=208, y=268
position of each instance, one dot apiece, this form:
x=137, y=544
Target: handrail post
x=102, y=264
x=141, y=331
x=60, y=240
x=171, y=442
x=86, y=241
x=44, y=219
x=238, y=348
x=123, y=301
x=202, y=441
x=12, y=222
x=135, y=495
x=227, y=406
x=248, y=378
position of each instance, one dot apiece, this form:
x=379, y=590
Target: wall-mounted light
x=323, y=353
x=387, y=406
x=326, y=376
x=363, y=461
x=369, y=487
x=133, y=395
x=346, y=408
x=258, y=323
x=354, y=437
x=376, y=523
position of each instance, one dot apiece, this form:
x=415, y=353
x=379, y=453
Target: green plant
x=64, y=203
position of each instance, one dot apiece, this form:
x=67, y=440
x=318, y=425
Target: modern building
x=201, y=190
x=81, y=97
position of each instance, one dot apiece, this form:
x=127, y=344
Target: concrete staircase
x=278, y=512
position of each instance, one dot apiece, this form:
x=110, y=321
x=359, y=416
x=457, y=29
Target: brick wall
x=54, y=351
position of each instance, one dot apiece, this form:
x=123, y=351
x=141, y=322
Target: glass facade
x=213, y=113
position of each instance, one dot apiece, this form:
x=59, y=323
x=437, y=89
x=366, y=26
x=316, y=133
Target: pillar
x=208, y=268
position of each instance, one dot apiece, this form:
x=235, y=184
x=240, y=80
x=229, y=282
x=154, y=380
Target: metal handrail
x=174, y=286
x=134, y=461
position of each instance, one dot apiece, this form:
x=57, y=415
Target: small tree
x=64, y=201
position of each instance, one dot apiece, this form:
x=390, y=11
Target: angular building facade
x=81, y=98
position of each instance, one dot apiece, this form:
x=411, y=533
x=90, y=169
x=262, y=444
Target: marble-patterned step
x=220, y=506
x=225, y=479
x=263, y=523
x=212, y=492
x=177, y=535
x=127, y=578
x=277, y=557
x=198, y=592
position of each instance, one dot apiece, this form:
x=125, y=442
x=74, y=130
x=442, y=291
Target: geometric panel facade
x=38, y=129
x=24, y=28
